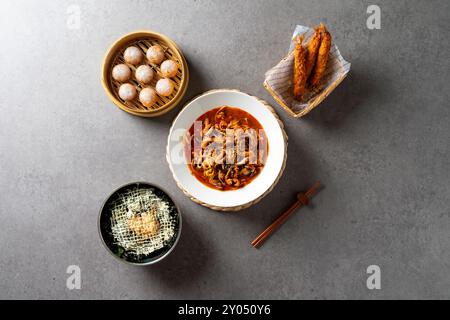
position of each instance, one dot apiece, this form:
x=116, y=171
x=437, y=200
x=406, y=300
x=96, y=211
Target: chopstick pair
x=302, y=200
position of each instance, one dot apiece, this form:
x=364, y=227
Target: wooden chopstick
x=303, y=199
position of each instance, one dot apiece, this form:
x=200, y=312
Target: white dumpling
x=121, y=73
x=148, y=97
x=144, y=74
x=165, y=87
x=155, y=54
x=133, y=55
x=127, y=92
x=169, y=68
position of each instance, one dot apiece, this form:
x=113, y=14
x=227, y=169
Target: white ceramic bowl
x=236, y=199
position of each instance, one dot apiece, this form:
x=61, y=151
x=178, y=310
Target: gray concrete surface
x=380, y=143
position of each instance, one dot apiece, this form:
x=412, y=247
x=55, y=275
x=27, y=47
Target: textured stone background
x=380, y=143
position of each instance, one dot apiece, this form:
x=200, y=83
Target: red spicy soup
x=226, y=148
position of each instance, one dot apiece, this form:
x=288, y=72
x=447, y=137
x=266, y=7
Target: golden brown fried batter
x=313, y=49
x=322, y=58
x=300, y=76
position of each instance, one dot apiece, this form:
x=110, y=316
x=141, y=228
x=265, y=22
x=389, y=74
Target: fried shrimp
x=300, y=76
x=322, y=57
x=312, y=51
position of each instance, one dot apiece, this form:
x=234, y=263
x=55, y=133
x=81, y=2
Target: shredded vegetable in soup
x=226, y=148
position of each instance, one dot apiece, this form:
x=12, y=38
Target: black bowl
x=104, y=227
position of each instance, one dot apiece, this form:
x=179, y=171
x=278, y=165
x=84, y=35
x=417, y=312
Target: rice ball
x=164, y=87
x=133, y=55
x=169, y=68
x=144, y=74
x=127, y=92
x=121, y=73
x=155, y=54
x=148, y=97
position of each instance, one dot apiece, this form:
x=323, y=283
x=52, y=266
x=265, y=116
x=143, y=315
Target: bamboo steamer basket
x=144, y=39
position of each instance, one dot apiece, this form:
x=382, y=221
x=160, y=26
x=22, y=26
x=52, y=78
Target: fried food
x=312, y=51
x=322, y=57
x=300, y=76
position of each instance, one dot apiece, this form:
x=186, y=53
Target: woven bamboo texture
x=311, y=104
x=144, y=40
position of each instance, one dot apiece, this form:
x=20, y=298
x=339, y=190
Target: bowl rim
x=137, y=263
x=250, y=203
x=110, y=53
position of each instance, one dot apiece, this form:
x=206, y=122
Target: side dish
x=145, y=73
x=136, y=59
x=142, y=220
x=310, y=63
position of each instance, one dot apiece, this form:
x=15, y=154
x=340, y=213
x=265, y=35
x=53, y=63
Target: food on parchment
x=127, y=92
x=322, y=57
x=300, y=76
x=155, y=54
x=312, y=50
x=311, y=62
x=144, y=74
x=169, y=68
x=164, y=87
x=229, y=152
x=133, y=55
x=121, y=73
x=148, y=97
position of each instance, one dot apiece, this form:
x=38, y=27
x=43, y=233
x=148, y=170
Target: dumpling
x=169, y=68
x=121, y=73
x=155, y=54
x=144, y=74
x=133, y=55
x=165, y=87
x=127, y=92
x=148, y=97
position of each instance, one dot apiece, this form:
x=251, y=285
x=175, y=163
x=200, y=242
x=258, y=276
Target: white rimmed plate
x=253, y=192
